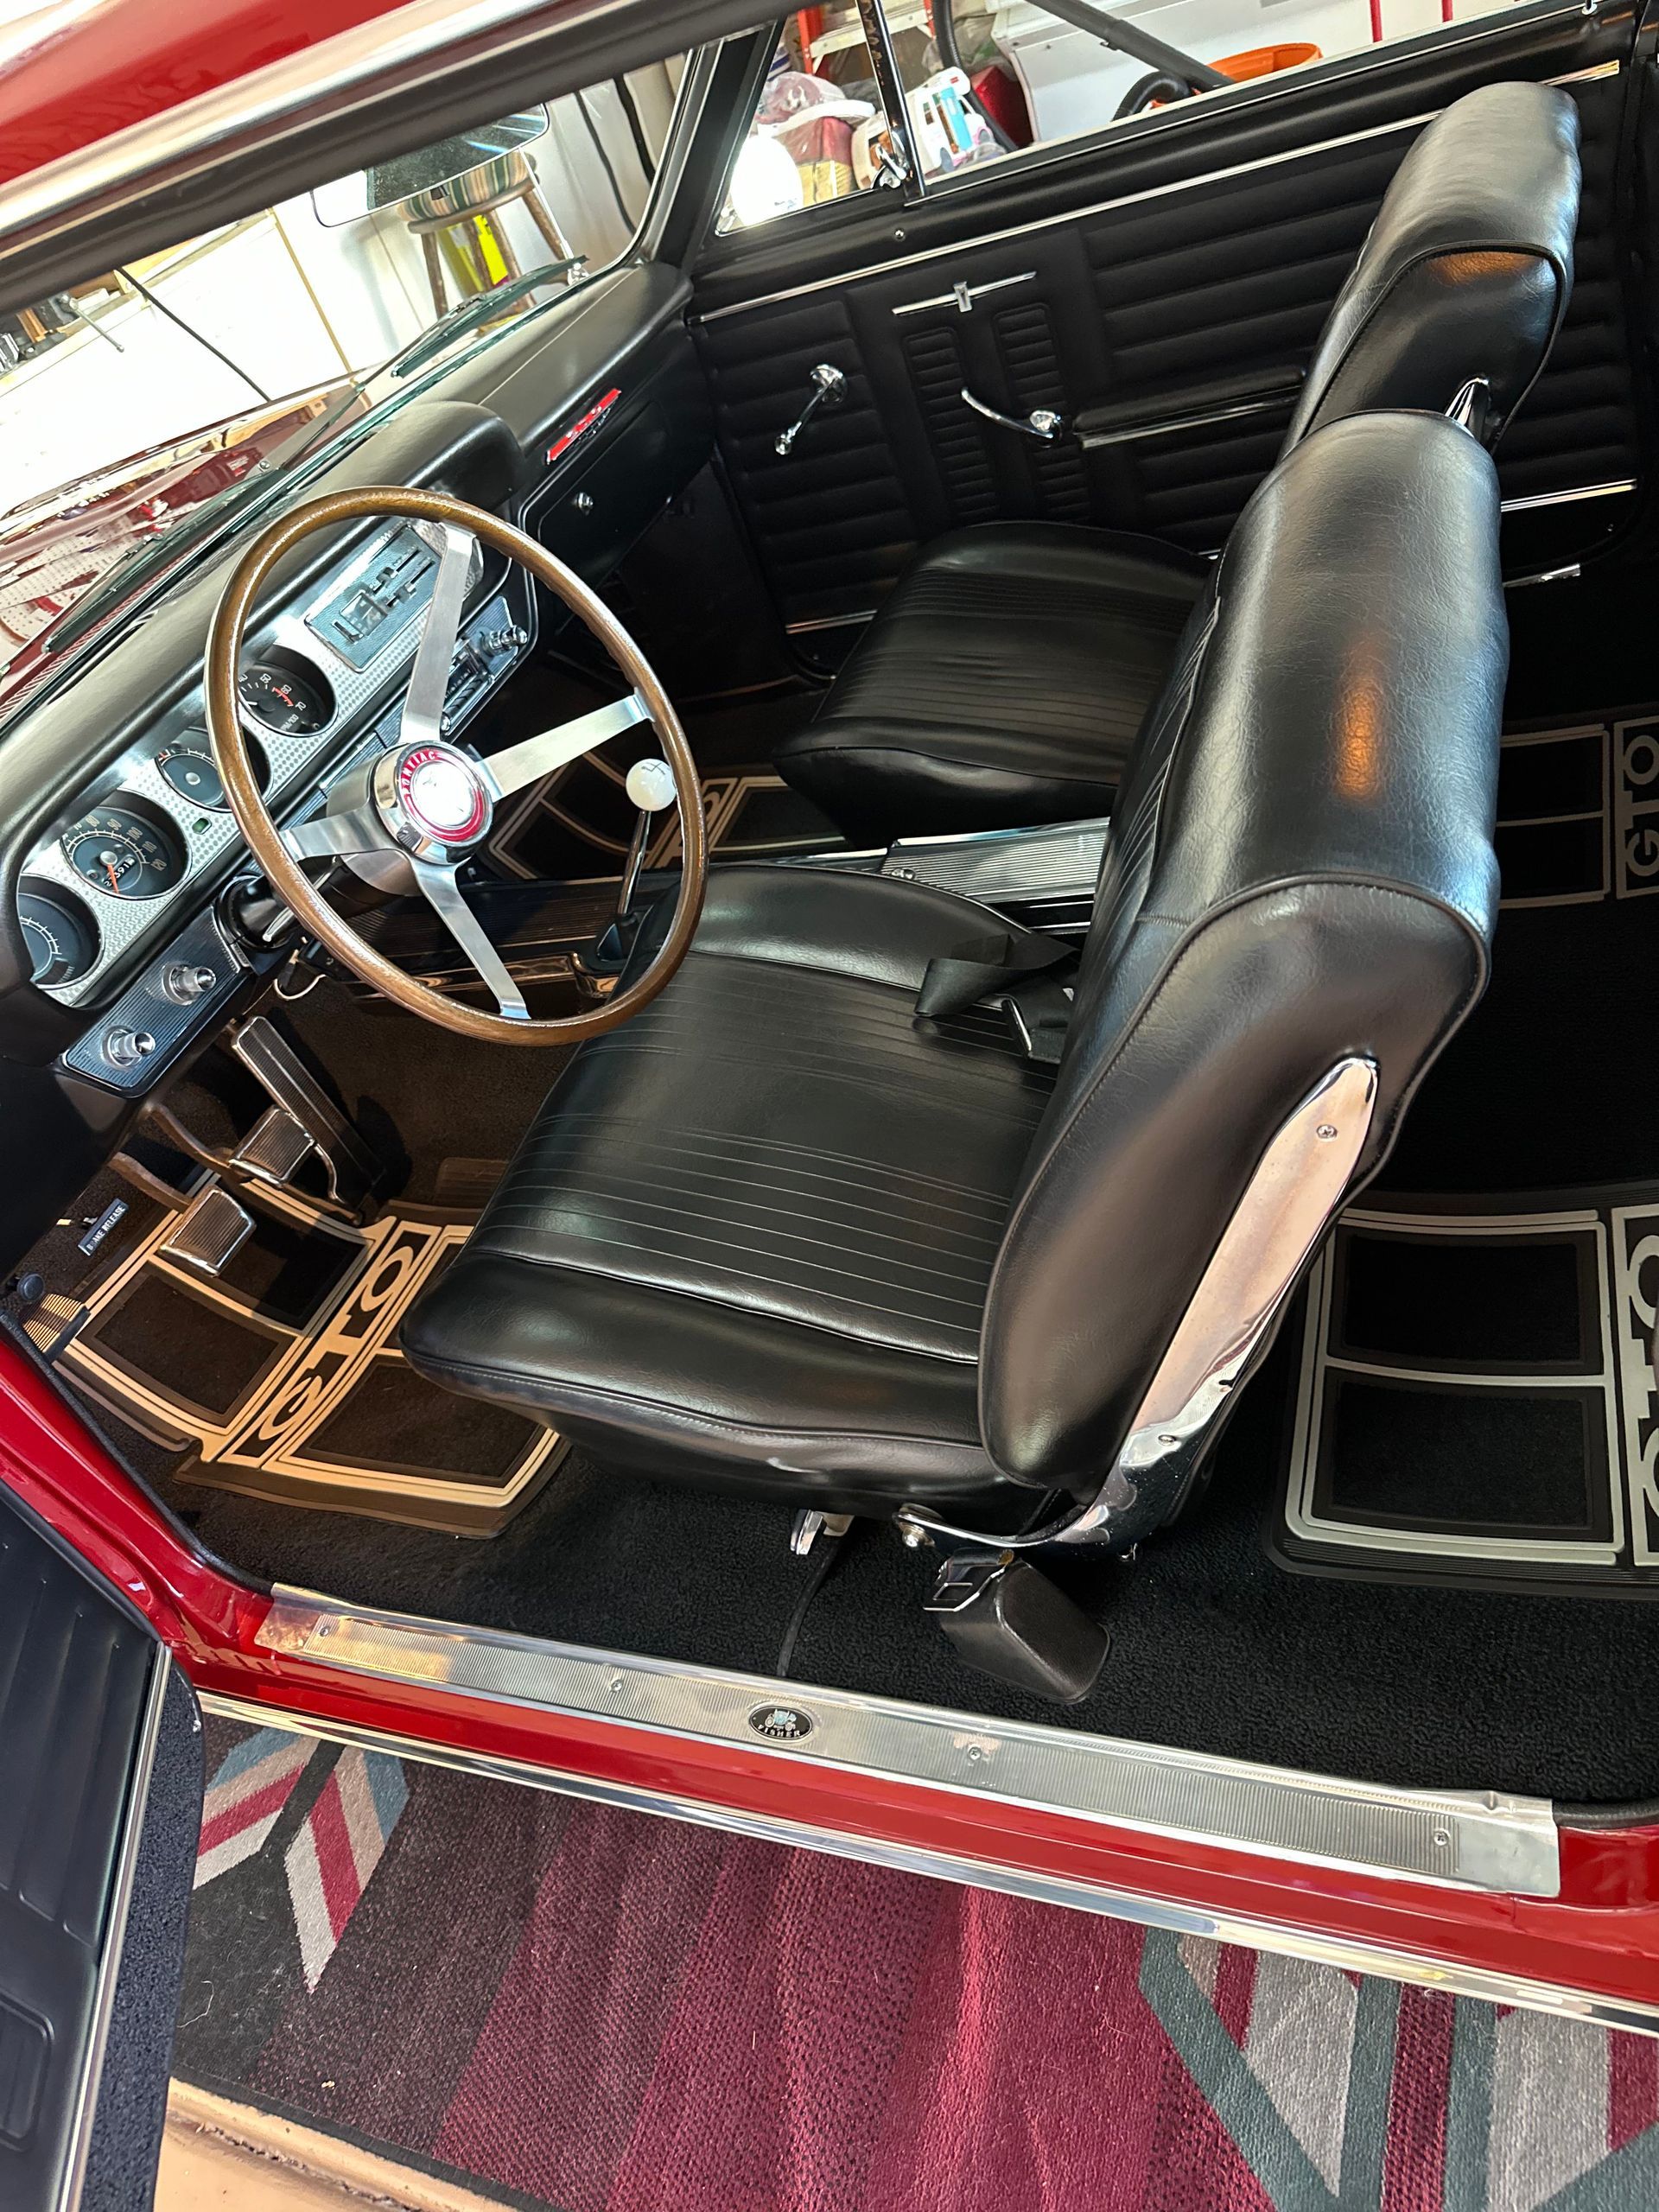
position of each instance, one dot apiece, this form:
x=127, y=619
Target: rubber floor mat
x=1475, y=1399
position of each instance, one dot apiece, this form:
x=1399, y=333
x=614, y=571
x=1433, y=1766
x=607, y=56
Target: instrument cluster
x=157, y=820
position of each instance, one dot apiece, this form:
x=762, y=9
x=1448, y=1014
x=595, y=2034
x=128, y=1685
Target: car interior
x=903, y=954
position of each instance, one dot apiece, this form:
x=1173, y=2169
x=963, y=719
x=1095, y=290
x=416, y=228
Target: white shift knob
x=650, y=785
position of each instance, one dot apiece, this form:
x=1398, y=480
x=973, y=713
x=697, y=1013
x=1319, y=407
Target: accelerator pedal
x=211, y=1231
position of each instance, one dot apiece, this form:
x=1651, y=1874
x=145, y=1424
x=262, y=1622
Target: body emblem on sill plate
x=782, y=1723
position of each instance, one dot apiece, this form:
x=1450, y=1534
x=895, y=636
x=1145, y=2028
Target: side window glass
x=819, y=130
x=982, y=83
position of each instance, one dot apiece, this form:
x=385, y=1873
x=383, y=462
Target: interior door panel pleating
x=1229, y=275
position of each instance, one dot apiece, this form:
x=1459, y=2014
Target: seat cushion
x=749, y=1235
x=1001, y=684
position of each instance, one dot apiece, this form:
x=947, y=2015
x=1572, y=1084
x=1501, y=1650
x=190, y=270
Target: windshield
x=154, y=409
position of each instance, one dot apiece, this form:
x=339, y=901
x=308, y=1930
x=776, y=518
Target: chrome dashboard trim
x=359, y=694
x=1349, y=1956
x=1468, y=1839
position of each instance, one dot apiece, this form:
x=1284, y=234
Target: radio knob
x=125, y=1048
x=184, y=983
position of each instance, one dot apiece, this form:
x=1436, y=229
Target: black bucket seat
x=1003, y=681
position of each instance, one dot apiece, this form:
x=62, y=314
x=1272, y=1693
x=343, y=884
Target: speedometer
x=284, y=699
x=124, y=853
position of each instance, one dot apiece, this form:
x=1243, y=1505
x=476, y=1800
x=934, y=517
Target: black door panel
x=87, y=1707
x=1150, y=292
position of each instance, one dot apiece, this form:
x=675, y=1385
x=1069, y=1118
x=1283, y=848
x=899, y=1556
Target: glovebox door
x=100, y=1805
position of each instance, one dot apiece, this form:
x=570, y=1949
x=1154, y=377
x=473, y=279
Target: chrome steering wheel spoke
x=442, y=893
x=429, y=680
x=359, y=831
x=515, y=766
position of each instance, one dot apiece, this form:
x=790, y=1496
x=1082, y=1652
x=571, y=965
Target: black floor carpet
x=1215, y=1648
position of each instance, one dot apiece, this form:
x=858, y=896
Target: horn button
x=432, y=799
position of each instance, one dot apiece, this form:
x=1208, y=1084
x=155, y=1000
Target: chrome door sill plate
x=1460, y=1838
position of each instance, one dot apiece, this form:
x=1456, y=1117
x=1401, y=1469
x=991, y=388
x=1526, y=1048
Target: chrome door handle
x=1042, y=421
x=829, y=389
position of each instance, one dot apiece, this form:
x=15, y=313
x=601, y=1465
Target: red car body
x=1593, y=1949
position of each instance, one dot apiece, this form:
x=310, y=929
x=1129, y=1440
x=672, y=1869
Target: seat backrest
x=1468, y=268
x=1300, y=870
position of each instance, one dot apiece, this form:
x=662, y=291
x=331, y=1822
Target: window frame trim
x=725, y=249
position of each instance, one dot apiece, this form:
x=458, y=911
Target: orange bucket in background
x=1263, y=61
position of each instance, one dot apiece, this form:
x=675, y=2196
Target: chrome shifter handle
x=1041, y=423
x=829, y=389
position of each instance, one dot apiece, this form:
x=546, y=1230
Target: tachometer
x=125, y=853
x=61, y=936
x=283, y=699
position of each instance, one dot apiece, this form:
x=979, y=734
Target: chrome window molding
x=85, y=2106
x=388, y=84
x=1333, y=70
x=957, y=248
x=1465, y=1839
x=1348, y=1954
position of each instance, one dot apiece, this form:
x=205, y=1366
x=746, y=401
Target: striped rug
x=567, y=2006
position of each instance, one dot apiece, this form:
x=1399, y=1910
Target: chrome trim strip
x=1469, y=1840
x=1566, y=498
x=923, y=255
x=258, y=110
x=115, y=1933
x=1270, y=403
x=962, y=296
x=829, y=622
x=1351, y=1956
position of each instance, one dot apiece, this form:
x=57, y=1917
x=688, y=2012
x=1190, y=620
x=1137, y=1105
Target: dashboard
x=322, y=684
x=117, y=852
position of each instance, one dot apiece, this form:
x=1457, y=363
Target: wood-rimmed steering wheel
x=413, y=815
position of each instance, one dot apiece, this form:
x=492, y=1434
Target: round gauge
x=125, y=853
x=283, y=699
x=61, y=936
x=189, y=768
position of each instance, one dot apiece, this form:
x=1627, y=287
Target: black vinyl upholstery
x=1001, y=683
x=1467, y=270
x=777, y=1231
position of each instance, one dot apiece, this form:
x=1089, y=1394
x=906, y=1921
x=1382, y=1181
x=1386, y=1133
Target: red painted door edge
x=1601, y=1936
x=124, y=61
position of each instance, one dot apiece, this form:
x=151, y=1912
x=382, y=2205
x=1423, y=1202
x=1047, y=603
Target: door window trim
x=1340, y=70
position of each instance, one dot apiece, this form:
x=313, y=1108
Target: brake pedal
x=274, y=1147
x=211, y=1231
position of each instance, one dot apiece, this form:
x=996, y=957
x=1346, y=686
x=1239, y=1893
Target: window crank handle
x=829, y=389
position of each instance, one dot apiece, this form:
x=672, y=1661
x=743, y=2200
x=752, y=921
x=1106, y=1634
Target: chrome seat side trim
x=1348, y=1955
x=1466, y=1839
